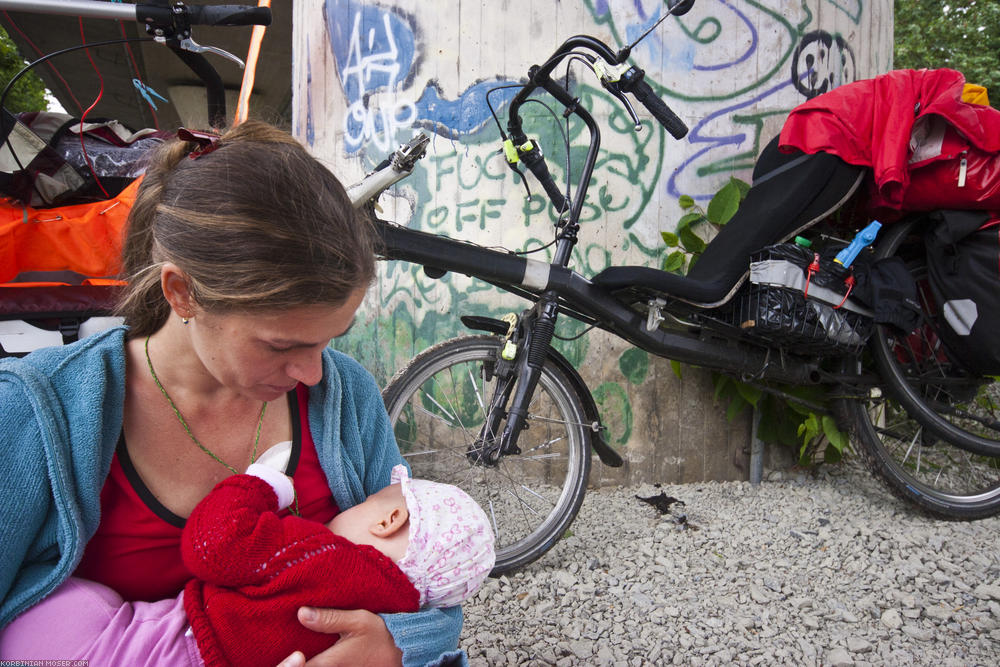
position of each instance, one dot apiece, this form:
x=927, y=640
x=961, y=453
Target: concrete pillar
x=368, y=75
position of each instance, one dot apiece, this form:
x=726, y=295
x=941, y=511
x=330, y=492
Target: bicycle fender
x=604, y=451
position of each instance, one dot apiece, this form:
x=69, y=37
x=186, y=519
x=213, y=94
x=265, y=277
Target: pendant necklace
x=187, y=429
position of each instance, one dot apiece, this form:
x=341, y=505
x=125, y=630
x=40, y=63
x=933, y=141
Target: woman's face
x=264, y=356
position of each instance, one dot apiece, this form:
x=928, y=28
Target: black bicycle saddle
x=790, y=192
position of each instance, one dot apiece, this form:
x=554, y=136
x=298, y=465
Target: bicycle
x=504, y=415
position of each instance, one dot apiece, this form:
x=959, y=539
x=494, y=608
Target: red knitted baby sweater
x=253, y=570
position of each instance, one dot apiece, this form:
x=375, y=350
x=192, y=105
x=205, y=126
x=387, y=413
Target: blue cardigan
x=61, y=412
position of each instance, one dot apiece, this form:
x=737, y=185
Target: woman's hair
x=256, y=224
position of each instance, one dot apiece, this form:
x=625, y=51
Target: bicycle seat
x=790, y=192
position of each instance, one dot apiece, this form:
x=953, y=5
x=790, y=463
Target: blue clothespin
x=146, y=91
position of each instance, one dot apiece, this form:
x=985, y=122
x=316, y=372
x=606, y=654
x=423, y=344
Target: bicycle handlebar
x=211, y=15
x=649, y=99
x=535, y=162
x=229, y=15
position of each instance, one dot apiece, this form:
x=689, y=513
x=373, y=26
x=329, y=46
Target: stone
x=858, y=645
x=918, y=633
x=839, y=657
x=987, y=591
x=891, y=619
x=938, y=612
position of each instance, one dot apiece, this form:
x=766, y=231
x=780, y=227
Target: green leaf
x=809, y=429
x=686, y=202
x=837, y=438
x=673, y=262
x=736, y=406
x=691, y=241
x=750, y=394
x=688, y=220
x=742, y=186
x=832, y=454
x=675, y=366
x=724, y=204
x=670, y=239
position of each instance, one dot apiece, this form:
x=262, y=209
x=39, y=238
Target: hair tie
x=207, y=142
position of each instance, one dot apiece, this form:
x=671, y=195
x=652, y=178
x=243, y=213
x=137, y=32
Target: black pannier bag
x=963, y=266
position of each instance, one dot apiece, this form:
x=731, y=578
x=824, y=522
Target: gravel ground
x=806, y=570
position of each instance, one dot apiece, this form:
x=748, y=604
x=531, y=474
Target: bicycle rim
x=437, y=406
x=918, y=466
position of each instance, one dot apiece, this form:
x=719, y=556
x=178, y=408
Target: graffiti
x=821, y=63
x=732, y=69
x=375, y=51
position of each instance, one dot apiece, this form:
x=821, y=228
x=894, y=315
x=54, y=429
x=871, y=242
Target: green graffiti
x=712, y=23
x=843, y=5
x=634, y=364
x=616, y=411
x=744, y=159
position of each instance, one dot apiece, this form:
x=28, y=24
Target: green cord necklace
x=180, y=418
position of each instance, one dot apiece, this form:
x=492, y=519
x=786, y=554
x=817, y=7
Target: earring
x=185, y=320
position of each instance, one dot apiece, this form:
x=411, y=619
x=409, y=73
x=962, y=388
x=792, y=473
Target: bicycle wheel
x=926, y=431
x=437, y=406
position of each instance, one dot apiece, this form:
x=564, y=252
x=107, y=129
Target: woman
x=244, y=258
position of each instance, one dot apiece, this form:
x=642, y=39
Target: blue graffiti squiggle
x=375, y=50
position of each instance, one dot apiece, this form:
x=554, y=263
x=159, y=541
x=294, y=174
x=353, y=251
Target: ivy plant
x=789, y=416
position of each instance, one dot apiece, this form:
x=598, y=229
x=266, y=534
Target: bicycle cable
x=27, y=68
x=579, y=335
x=83, y=116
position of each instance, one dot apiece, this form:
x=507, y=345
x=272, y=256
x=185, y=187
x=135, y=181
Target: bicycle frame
x=557, y=289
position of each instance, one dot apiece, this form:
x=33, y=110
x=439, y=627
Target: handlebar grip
x=535, y=162
x=229, y=15
x=661, y=112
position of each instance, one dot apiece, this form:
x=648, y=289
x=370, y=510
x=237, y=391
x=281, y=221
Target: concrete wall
x=368, y=75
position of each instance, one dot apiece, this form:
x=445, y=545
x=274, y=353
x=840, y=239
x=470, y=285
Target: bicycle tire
x=436, y=407
x=914, y=432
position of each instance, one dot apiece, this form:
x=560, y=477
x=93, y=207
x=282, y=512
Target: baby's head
x=437, y=535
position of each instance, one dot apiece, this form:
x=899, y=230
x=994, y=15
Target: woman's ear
x=177, y=290
x=391, y=521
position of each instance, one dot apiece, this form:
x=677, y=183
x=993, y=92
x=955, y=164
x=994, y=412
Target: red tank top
x=136, y=550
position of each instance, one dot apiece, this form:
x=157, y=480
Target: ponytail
x=255, y=223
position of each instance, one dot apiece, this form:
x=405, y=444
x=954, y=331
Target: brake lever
x=610, y=75
x=509, y=151
x=189, y=44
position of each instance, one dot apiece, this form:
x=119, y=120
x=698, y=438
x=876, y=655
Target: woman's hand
x=364, y=640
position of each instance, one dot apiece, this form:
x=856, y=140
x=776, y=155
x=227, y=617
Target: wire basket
x=797, y=318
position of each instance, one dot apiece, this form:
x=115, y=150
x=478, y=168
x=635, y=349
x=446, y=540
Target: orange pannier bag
x=85, y=238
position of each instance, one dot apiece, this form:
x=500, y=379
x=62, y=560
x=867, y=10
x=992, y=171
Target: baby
x=413, y=544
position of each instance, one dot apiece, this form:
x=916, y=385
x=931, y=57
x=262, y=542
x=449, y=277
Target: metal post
x=756, y=451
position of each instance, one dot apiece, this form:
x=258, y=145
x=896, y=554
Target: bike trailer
x=963, y=266
x=58, y=263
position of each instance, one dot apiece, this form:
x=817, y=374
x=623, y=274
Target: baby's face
x=382, y=521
